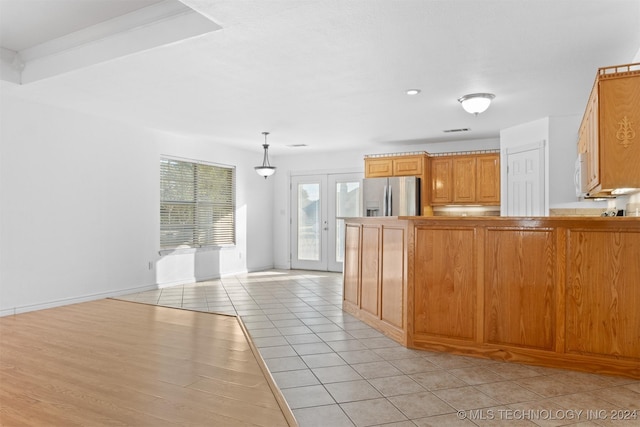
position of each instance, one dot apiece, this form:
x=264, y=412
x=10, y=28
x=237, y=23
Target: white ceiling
x=332, y=73
x=26, y=23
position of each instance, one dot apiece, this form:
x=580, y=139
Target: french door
x=319, y=204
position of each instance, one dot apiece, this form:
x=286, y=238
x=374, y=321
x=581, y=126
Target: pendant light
x=476, y=103
x=266, y=169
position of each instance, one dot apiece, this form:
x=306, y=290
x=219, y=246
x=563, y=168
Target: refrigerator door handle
x=384, y=201
x=390, y=201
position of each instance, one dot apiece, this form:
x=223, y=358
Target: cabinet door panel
x=603, y=319
x=619, y=111
x=445, y=283
x=370, y=281
x=351, y=263
x=520, y=300
x=588, y=142
x=441, y=181
x=464, y=179
x=488, y=179
x=378, y=168
x=393, y=276
x=407, y=166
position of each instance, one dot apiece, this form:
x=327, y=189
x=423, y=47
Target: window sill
x=182, y=251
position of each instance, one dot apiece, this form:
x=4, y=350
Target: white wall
x=79, y=198
x=303, y=163
x=254, y=237
x=517, y=136
x=561, y=150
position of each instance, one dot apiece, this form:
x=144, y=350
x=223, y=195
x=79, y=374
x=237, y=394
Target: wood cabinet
x=610, y=130
x=351, y=265
x=375, y=272
x=520, y=287
x=444, y=289
x=588, y=141
x=488, y=179
x=465, y=179
x=603, y=293
x=441, y=179
x=547, y=291
x=409, y=165
x=382, y=167
x=370, y=273
x=378, y=167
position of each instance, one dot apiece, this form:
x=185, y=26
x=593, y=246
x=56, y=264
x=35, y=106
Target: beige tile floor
x=334, y=370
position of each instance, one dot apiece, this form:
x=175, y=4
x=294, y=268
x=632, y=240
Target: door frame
x=329, y=203
x=539, y=146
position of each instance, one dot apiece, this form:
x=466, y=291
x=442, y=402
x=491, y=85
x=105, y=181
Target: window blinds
x=197, y=204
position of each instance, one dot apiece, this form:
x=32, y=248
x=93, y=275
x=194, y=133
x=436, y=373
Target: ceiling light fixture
x=476, y=103
x=412, y=91
x=266, y=169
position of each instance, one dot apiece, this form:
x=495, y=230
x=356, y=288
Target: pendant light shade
x=476, y=103
x=266, y=169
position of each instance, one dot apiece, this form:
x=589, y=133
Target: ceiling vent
x=456, y=130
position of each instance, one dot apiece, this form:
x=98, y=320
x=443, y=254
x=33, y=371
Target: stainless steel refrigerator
x=399, y=196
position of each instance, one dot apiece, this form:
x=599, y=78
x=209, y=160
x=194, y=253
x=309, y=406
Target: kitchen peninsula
x=550, y=291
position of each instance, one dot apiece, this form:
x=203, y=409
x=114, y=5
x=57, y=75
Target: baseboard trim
x=118, y=292
x=74, y=300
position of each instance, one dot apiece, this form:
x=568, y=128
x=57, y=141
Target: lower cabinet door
x=370, y=280
x=393, y=276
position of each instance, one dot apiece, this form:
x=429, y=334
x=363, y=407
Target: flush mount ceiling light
x=476, y=103
x=266, y=169
x=412, y=91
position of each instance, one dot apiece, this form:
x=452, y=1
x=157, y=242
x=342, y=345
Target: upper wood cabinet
x=441, y=179
x=588, y=141
x=409, y=165
x=610, y=130
x=381, y=167
x=488, y=179
x=465, y=179
x=378, y=167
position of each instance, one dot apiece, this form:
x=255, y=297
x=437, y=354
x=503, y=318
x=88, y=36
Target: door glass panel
x=309, y=222
x=347, y=205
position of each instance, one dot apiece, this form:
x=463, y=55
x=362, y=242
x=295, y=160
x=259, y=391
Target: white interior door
x=525, y=180
x=319, y=204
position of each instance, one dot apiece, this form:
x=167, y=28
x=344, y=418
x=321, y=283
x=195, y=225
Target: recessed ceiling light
x=413, y=91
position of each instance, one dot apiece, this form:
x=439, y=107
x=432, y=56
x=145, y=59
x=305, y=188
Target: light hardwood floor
x=124, y=363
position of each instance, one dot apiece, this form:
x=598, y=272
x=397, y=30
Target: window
x=197, y=204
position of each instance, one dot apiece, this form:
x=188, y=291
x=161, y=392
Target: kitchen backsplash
x=583, y=212
x=466, y=211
